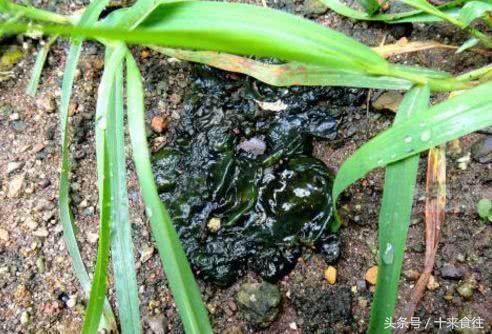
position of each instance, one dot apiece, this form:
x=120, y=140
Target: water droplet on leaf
x=389, y=254
x=426, y=135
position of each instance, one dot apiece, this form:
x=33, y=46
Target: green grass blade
x=33, y=13
x=441, y=123
x=32, y=86
x=66, y=217
x=178, y=272
x=251, y=30
x=125, y=277
x=105, y=104
x=467, y=14
x=287, y=74
x=415, y=16
x=98, y=289
x=394, y=219
x=371, y=6
x=246, y=29
x=473, y=10
x=241, y=29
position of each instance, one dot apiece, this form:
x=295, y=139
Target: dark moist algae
x=238, y=177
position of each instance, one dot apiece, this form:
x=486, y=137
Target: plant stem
x=441, y=85
x=475, y=74
x=35, y=13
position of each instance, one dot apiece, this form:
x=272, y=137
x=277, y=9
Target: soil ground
x=40, y=294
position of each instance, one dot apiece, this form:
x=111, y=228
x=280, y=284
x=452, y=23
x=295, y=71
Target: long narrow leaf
x=443, y=122
x=473, y=10
x=241, y=29
x=98, y=290
x=415, y=16
x=394, y=219
x=32, y=86
x=125, y=277
x=66, y=217
x=178, y=272
x=105, y=103
x=287, y=74
x=186, y=25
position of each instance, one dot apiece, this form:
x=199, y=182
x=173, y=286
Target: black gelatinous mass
x=238, y=177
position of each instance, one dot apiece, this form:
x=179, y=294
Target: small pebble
x=371, y=275
x=331, y=275
x=14, y=166
x=72, y=301
x=4, y=235
x=388, y=101
x=24, y=319
x=92, y=237
x=432, y=284
x=16, y=185
x=213, y=224
x=464, y=161
x=147, y=253
x=40, y=265
x=467, y=288
x=158, y=124
x=41, y=232
x=481, y=150
x=451, y=271
x=47, y=104
x=411, y=274
x=31, y=223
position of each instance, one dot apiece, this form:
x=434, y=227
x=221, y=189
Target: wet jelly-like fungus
x=240, y=182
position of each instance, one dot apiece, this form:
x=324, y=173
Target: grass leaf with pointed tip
x=178, y=272
x=66, y=218
x=125, y=277
x=443, y=122
x=105, y=102
x=394, y=218
x=288, y=74
x=32, y=86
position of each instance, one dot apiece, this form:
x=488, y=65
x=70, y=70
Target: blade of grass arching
x=66, y=217
x=241, y=29
x=122, y=255
x=178, y=272
x=441, y=123
x=415, y=16
x=105, y=103
x=32, y=86
x=394, y=219
x=98, y=289
x=33, y=13
x=297, y=47
x=456, y=21
x=288, y=74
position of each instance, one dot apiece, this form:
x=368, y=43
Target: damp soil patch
x=239, y=179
